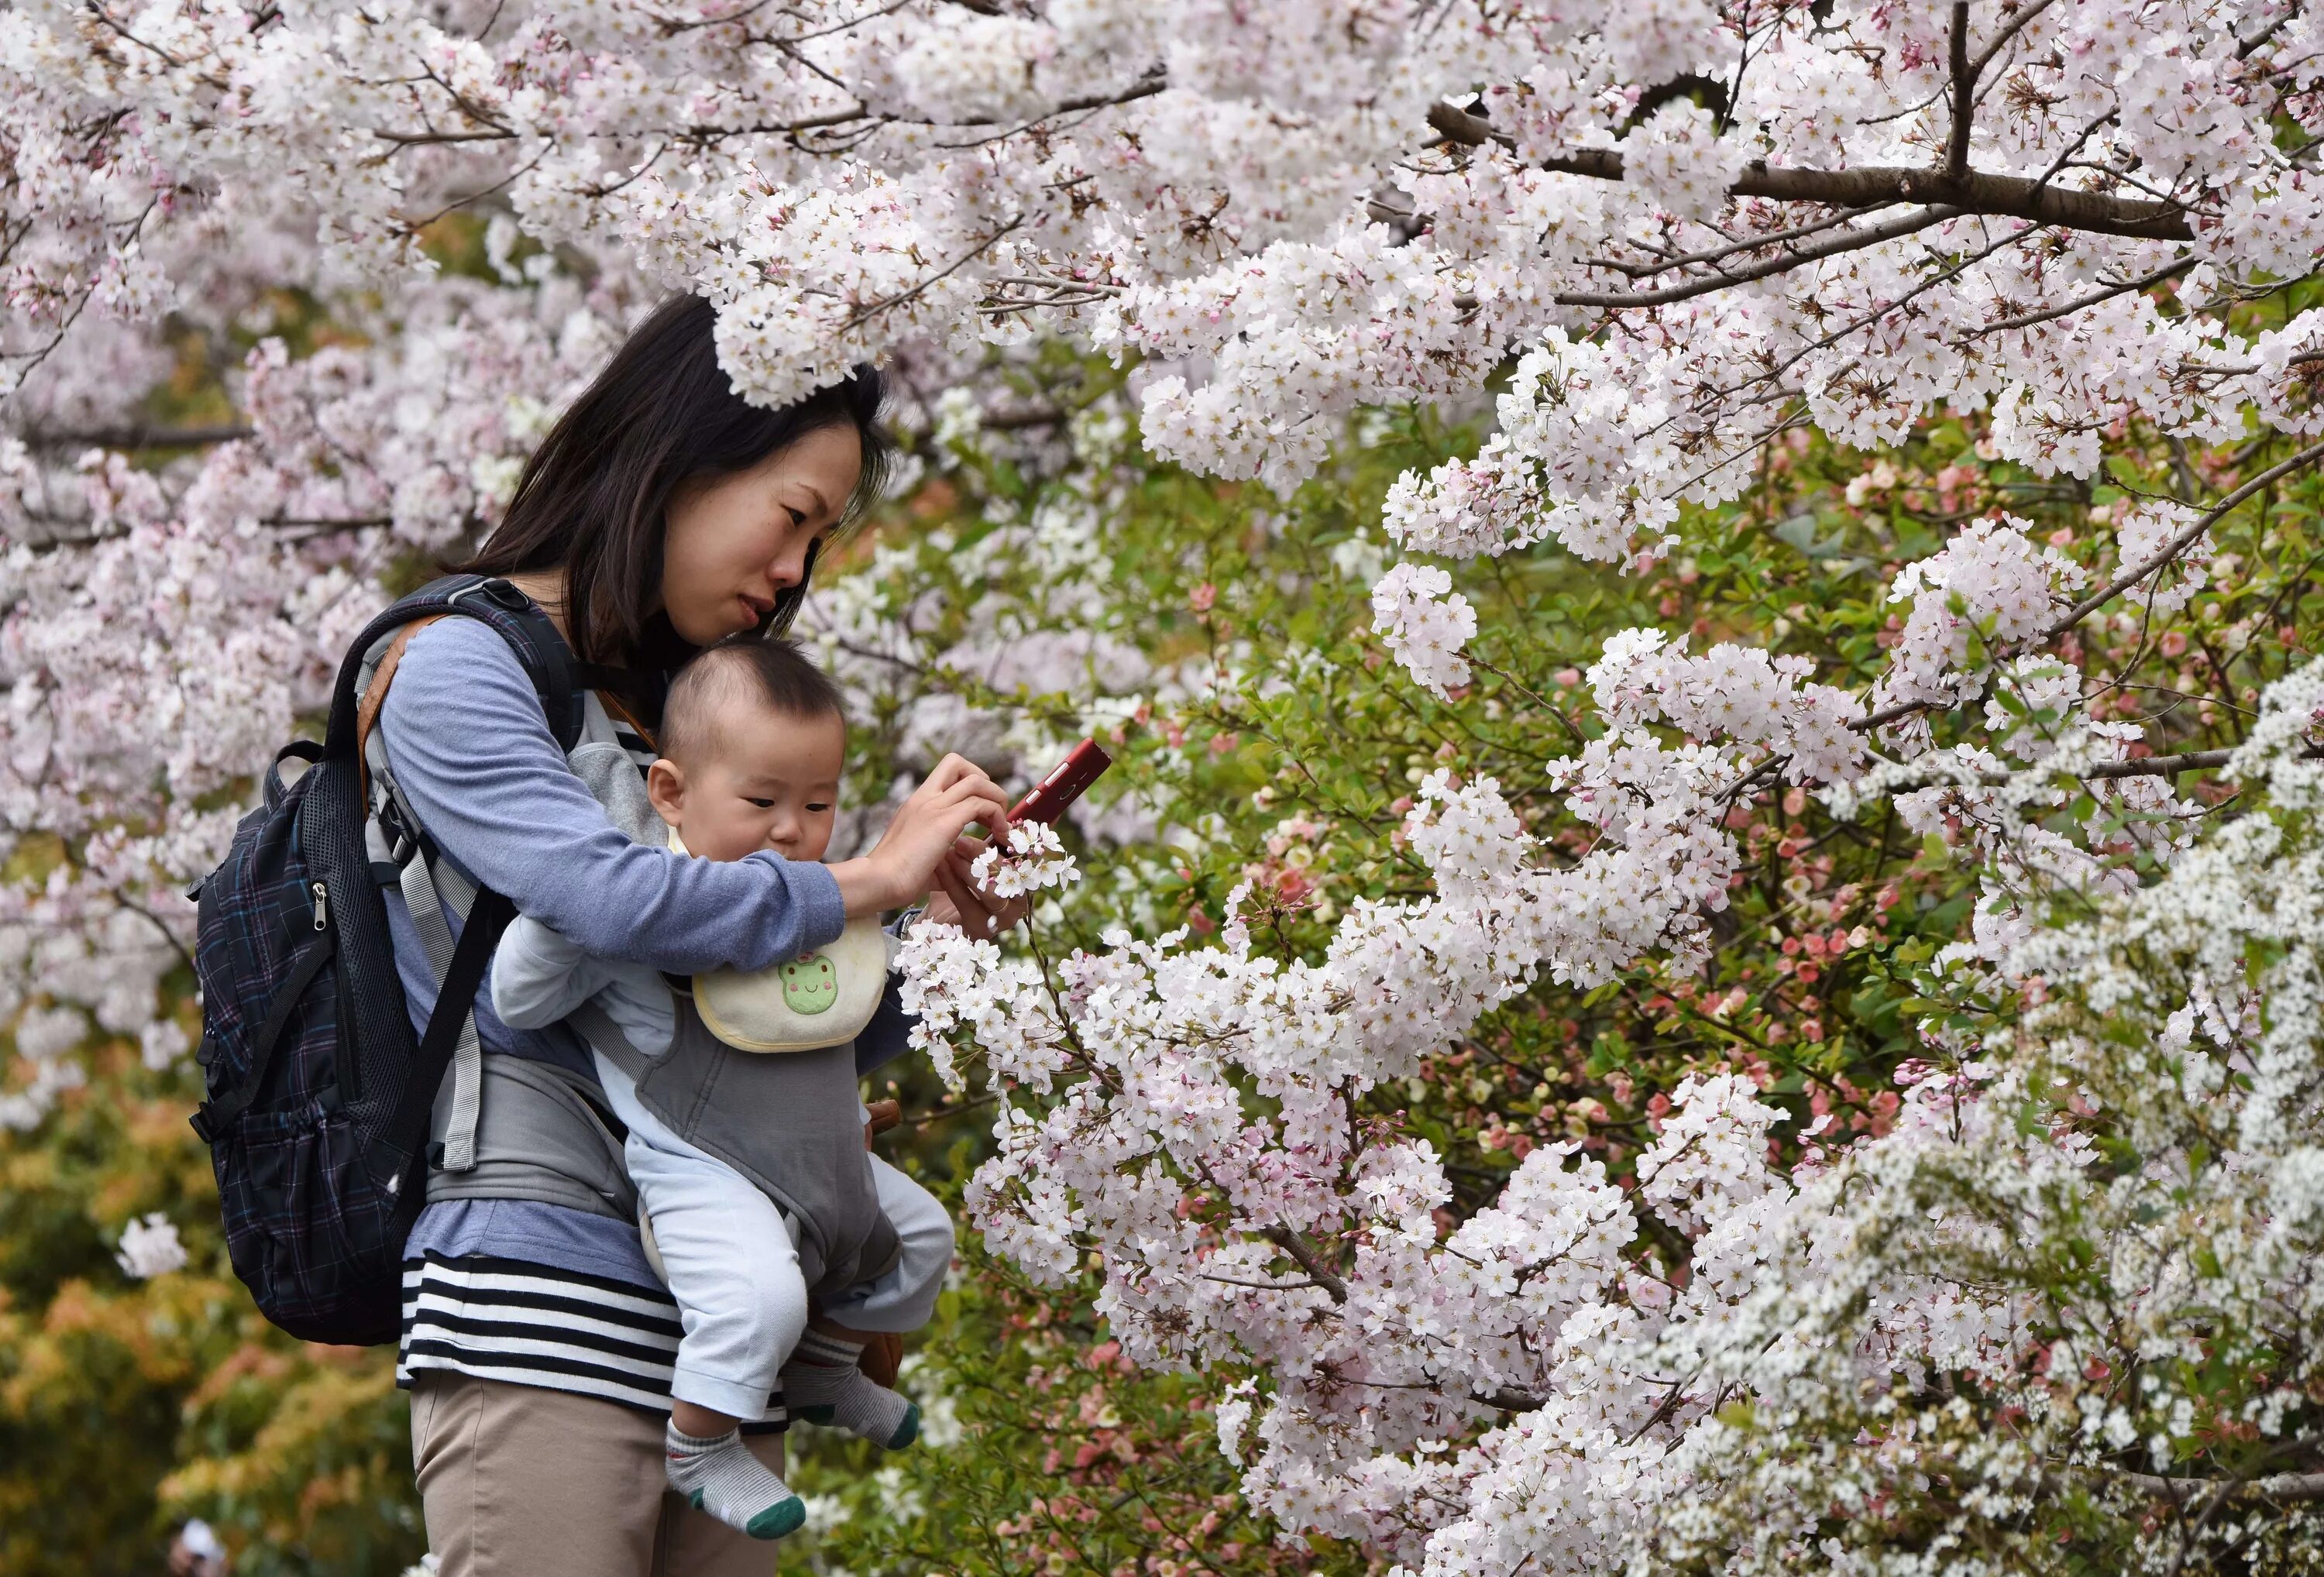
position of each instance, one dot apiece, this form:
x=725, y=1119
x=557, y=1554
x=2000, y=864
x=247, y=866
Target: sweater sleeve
x=474, y=756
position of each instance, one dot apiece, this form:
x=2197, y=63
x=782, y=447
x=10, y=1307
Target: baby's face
x=767, y=782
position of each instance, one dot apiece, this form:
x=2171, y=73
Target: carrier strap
x=407, y=1131
x=422, y=899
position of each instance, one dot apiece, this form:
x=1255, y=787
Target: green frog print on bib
x=810, y=984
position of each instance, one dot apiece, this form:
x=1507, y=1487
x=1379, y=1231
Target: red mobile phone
x=1064, y=785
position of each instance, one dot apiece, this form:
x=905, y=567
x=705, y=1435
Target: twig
x=2183, y=541
x=1297, y=1247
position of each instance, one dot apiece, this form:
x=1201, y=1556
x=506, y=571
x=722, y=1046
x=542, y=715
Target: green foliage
x=126, y=1405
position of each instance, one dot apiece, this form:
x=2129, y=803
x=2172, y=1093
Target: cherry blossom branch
x=1848, y=241
x=2171, y=550
x=2096, y=297
x=2158, y=766
x=1974, y=191
x=2277, y=1489
x=1964, y=91
x=2009, y=30
x=1747, y=244
x=156, y=921
x=1262, y=1286
x=138, y=436
x=1298, y=1247
x=2178, y=544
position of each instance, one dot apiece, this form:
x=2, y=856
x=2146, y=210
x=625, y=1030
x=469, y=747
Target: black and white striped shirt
x=534, y=1324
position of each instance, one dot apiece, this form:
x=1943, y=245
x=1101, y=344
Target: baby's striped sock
x=719, y=1475
x=822, y=1385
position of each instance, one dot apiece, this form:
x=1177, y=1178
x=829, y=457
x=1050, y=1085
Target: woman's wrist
x=865, y=887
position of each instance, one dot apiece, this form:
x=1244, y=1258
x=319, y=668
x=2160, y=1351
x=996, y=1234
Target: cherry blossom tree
x=1665, y=240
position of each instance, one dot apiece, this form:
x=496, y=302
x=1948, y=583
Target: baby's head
x=752, y=742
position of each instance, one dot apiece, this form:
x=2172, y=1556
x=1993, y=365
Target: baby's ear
x=666, y=787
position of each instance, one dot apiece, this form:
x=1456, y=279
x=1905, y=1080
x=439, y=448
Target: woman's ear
x=666, y=787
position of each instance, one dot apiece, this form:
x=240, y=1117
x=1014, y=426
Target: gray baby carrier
x=789, y=1121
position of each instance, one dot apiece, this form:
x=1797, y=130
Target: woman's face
x=734, y=543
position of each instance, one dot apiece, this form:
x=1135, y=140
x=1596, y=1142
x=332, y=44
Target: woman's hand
x=919, y=842
x=958, y=902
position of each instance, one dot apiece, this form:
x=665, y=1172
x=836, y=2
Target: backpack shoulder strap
x=514, y=616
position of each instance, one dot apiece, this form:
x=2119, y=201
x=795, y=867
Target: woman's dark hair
x=593, y=498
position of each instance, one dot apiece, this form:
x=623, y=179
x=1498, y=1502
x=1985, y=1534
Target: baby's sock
x=719, y=1475
x=822, y=1385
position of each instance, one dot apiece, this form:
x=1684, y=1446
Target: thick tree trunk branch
x=2014, y=197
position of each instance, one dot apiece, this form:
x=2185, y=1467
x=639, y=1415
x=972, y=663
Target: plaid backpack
x=319, y=1094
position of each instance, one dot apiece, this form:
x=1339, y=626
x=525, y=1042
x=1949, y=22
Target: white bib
x=823, y=997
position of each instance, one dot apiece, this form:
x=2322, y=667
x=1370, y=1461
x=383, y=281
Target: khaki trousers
x=518, y=1480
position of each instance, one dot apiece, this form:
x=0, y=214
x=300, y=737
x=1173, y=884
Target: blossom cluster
x=165, y=631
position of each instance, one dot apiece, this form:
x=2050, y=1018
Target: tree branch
x=137, y=436
x=2278, y=1490
x=1508, y=1401
x=2082, y=610
x=2009, y=30
x=2015, y=197
x=1831, y=247
x=1292, y=1244
x=1964, y=87
x=2096, y=297
x=431, y=139
x=2183, y=541
x=1642, y=271
x=2157, y=766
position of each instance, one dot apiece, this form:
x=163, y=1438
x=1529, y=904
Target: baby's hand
x=885, y=1115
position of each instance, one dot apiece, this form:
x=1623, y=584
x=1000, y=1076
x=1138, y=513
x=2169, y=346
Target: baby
x=785, y=1242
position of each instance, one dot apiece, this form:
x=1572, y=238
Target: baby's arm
x=539, y=977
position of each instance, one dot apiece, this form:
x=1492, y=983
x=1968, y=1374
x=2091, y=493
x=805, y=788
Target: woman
x=662, y=513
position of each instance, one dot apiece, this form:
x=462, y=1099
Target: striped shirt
x=532, y=1325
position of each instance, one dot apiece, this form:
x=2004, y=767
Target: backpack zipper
x=322, y=909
